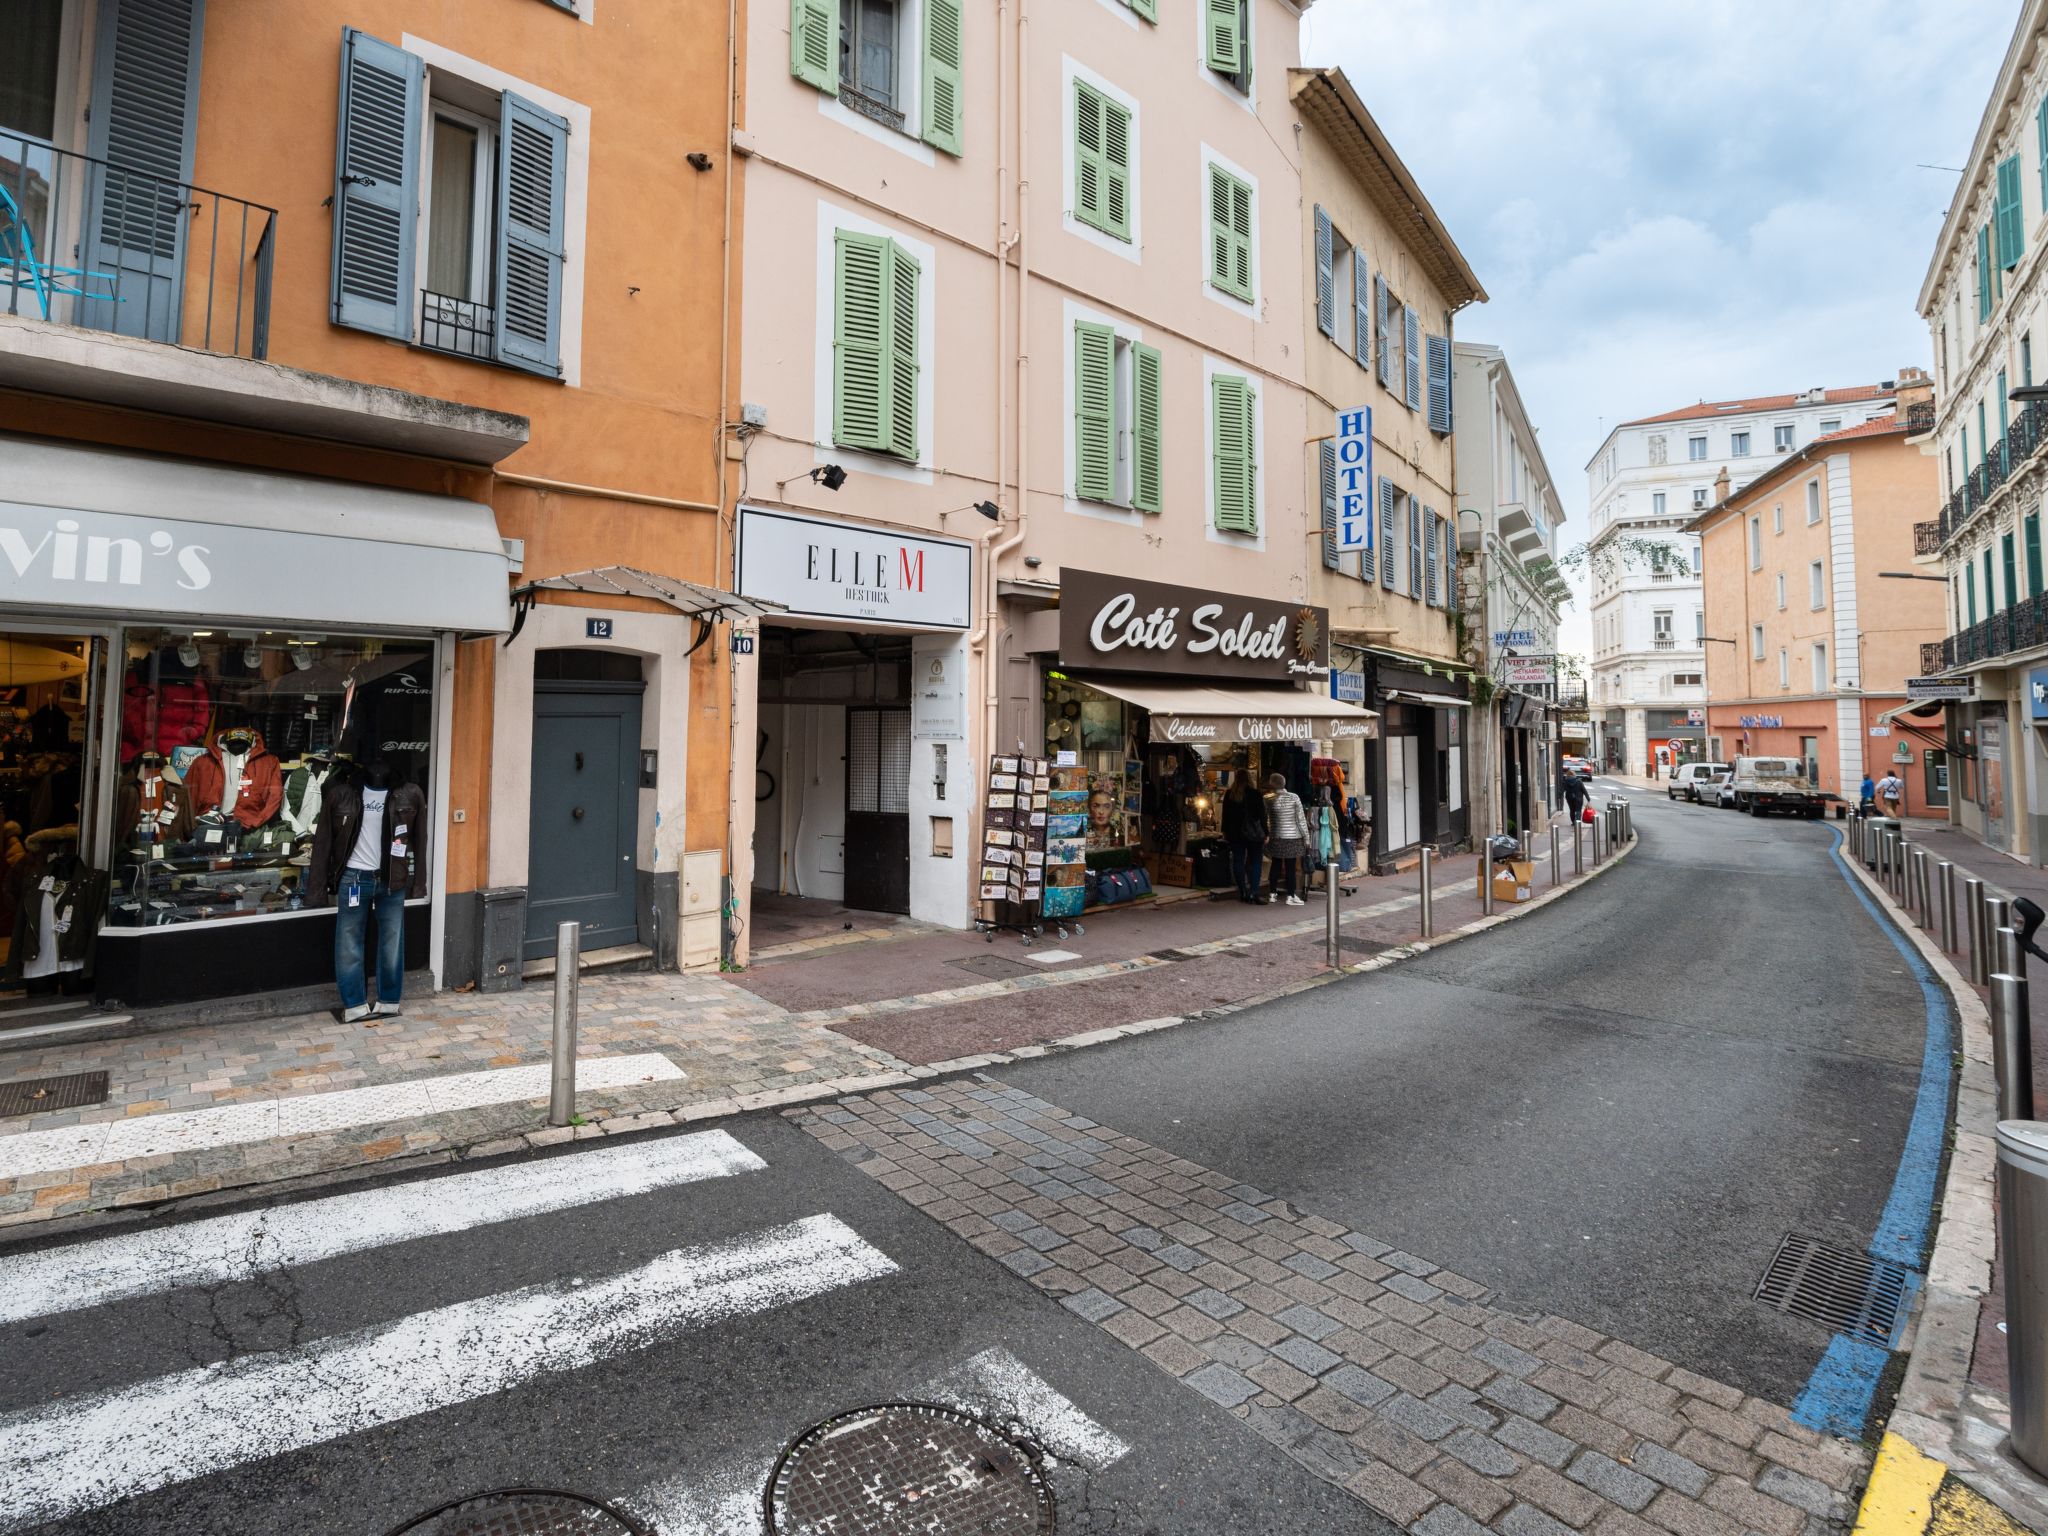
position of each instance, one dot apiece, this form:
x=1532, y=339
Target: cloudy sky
x=1668, y=201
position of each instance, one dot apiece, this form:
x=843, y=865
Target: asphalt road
x=1613, y=1110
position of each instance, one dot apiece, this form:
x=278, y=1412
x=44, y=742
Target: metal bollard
x=562, y=1058
x=1331, y=944
x=1556, y=861
x=1901, y=852
x=1947, y=875
x=1486, y=879
x=1428, y=896
x=1523, y=848
x=1578, y=850
x=1997, y=914
x=2008, y=958
x=2023, y=1244
x=1599, y=838
x=2012, y=1047
x=1923, y=888
x=1973, y=923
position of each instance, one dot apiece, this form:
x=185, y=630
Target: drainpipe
x=733, y=756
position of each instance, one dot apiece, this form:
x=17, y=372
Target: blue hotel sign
x=1354, y=478
x=1347, y=687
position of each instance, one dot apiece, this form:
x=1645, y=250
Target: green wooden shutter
x=143, y=118
x=1361, y=317
x=1388, y=534
x=903, y=274
x=1381, y=304
x=1326, y=471
x=1984, y=273
x=1990, y=585
x=942, y=74
x=1094, y=411
x=1970, y=578
x=2012, y=235
x=814, y=43
x=1236, y=474
x=1440, y=385
x=1413, y=323
x=1230, y=234
x=533, y=159
x=1146, y=8
x=1326, y=275
x=2009, y=553
x=377, y=177
x=1226, y=42
x=1147, y=490
x=2041, y=146
x=1116, y=169
x=861, y=392
x=1088, y=167
x=2033, y=527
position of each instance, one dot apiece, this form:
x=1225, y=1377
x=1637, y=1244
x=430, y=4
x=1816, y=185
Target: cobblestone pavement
x=1408, y=1385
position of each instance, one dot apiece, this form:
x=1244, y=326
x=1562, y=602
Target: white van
x=1687, y=779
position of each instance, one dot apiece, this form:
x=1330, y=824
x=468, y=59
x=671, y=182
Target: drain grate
x=1850, y=1292
x=1362, y=946
x=523, y=1512
x=907, y=1469
x=993, y=967
x=40, y=1095
x=1171, y=956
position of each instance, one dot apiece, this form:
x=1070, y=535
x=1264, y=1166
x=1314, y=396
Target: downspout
x=727, y=954
x=1020, y=242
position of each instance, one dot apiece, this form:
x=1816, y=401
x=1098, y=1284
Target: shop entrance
x=585, y=807
x=878, y=809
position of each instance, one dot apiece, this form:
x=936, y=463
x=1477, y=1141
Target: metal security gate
x=878, y=809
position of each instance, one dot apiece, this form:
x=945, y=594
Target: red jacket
x=261, y=791
x=182, y=708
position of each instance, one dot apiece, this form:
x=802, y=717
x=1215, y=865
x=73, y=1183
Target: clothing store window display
x=368, y=856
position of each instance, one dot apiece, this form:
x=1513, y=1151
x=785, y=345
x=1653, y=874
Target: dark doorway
x=878, y=809
x=585, y=800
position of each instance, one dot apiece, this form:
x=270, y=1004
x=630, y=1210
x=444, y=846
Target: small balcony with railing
x=2001, y=464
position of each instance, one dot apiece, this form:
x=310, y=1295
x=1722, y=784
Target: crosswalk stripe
x=306, y=1114
x=228, y=1248
x=77, y=1455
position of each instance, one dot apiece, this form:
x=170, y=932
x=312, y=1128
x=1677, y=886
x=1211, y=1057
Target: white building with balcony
x=1649, y=478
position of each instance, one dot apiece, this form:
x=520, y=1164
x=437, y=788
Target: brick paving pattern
x=1401, y=1381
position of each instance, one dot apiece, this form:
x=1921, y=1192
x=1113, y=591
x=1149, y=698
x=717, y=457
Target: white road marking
x=724, y=1499
x=225, y=1248
x=81, y=1454
x=114, y=1141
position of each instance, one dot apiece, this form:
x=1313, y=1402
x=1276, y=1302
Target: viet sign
x=1354, y=478
x=1527, y=671
x=821, y=567
x=1928, y=690
x=1121, y=624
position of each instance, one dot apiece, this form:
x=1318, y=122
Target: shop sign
x=1880, y=730
x=2037, y=695
x=1505, y=637
x=1120, y=624
x=1760, y=722
x=1230, y=728
x=937, y=699
x=1527, y=671
x=1354, y=478
x=1348, y=687
x=1574, y=730
x=1695, y=717
x=819, y=567
x=1957, y=690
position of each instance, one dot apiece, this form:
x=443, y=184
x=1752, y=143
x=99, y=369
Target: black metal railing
x=461, y=326
x=88, y=243
x=1927, y=538
x=2001, y=462
x=1920, y=418
x=2022, y=627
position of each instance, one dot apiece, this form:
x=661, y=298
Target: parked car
x=1579, y=768
x=1724, y=792
x=1687, y=778
x=1766, y=784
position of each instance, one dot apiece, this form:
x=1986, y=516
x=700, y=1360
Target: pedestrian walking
x=1891, y=789
x=1244, y=829
x=1573, y=788
x=1289, y=839
x=1868, y=796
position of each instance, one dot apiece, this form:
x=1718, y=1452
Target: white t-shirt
x=1891, y=787
x=369, y=847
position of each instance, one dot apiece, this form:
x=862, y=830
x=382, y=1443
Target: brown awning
x=1192, y=712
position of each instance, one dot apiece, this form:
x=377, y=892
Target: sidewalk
x=198, y=1110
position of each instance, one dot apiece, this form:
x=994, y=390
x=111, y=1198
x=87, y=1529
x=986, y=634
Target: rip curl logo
x=69, y=555
x=405, y=682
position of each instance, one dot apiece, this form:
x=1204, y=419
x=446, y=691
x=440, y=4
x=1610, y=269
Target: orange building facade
x=1808, y=643
x=362, y=370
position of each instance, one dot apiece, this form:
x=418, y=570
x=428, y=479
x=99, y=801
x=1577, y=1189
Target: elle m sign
x=825, y=568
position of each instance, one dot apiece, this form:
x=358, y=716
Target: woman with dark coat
x=1244, y=829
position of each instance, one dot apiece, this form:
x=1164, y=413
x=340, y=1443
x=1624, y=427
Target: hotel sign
x=1121, y=624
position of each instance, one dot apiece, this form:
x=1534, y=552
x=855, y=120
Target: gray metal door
x=584, y=814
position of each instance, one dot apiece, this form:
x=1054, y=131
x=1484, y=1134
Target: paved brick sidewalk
x=1403, y=1382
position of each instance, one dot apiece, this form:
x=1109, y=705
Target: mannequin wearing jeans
x=365, y=897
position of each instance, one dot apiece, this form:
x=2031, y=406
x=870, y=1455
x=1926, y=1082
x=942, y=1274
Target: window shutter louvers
x=2011, y=214
x=903, y=353
x=1236, y=471
x=1226, y=46
x=1088, y=169
x=376, y=204
x=1414, y=547
x=1429, y=573
x=2033, y=527
x=1387, y=536
x=1116, y=168
x=1380, y=307
x=861, y=395
x=943, y=21
x=1413, y=322
x=814, y=43
x=1984, y=273
x=1326, y=275
x=1440, y=385
x=2041, y=147
x=1148, y=9
x=145, y=103
x=533, y=158
x=1450, y=535
x=1326, y=466
x=1094, y=412
x=1361, y=315
x=1147, y=489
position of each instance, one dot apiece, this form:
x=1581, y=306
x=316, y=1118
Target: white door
x=1411, y=771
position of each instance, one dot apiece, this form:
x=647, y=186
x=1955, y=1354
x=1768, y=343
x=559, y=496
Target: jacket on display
x=341, y=819
x=167, y=803
x=258, y=795
x=181, y=707
x=78, y=899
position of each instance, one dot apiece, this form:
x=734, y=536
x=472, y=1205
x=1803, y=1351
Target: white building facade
x=1509, y=518
x=1650, y=477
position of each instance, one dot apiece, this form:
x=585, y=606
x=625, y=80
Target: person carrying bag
x=1244, y=829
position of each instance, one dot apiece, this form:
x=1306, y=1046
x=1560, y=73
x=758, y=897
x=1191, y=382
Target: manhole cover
x=1171, y=956
x=1850, y=1292
x=1362, y=946
x=523, y=1512
x=39, y=1095
x=907, y=1469
x=994, y=967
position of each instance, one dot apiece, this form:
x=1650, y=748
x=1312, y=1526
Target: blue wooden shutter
x=814, y=43
x=1413, y=322
x=377, y=191
x=1414, y=547
x=145, y=103
x=943, y=21
x=1326, y=275
x=1440, y=385
x=1430, y=589
x=1450, y=536
x=1379, y=308
x=1389, y=549
x=533, y=167
x=1326, y=463
x=1361, y=319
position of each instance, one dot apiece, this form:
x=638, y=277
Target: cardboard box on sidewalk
x=1513, y=882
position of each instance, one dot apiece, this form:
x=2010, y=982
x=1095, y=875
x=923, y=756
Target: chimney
x=1915, y=387
x=1721, y=484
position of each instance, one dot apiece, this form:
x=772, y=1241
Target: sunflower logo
x=1308, y=635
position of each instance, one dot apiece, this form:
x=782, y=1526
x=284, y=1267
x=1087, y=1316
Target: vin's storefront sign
x=1119, y=624
x=822, y=568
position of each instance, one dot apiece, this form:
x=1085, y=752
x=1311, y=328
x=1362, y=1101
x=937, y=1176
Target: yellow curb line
x=1899, y=1498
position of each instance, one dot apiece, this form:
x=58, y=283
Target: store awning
x=1192, y=712
x=1929, y=711
x=1441, y=700
x=134, y=535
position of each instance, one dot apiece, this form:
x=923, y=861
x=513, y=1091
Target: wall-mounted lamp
x=698, y=160
x=989, y=510
x=1033, y=561
x=831, y=476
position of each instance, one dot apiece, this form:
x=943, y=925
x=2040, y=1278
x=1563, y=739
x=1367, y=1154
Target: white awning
x=1935, y=707
x=133, y=535
x=1194, y=712
x=1441, y=700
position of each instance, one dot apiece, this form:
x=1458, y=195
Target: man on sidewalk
x=1891, y=793
x=1573, y=788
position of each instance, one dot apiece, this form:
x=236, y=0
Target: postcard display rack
x=1013, y=853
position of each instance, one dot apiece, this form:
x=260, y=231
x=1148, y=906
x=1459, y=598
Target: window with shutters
x=1227, y=41
x=1230, y=200
x=1343, y=292
x=2011, y=215
x=898, y=63
x=1233, y=454
x=1102, y=145
x=1117, y=408
x=875, y=357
